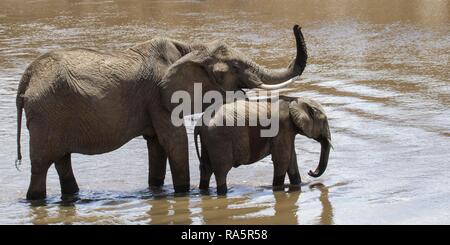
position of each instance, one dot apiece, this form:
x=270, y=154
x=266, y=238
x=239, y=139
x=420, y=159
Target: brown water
x=381, y=69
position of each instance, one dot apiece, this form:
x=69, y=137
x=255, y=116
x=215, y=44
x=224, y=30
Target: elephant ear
x=180, y=77
x=302, y=115
x=199, y=66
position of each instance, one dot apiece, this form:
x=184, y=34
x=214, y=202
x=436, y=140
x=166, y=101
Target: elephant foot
x=181, y=188
x=222, y=190
x=156, y=182
x=204, y=185
x=36, y=195
x=204, y=192
x=69, y=189
x=278, y=181
x=70, y=198
x=295, y=179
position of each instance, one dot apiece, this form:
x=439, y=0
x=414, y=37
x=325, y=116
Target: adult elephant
x=91, y=102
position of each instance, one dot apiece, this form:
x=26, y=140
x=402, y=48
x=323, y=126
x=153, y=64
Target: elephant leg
x=179, y=166
x=279, y=176
x=157, y=161
x=220, y=156
x=293, y=173
x=221, y=181
x=37, y=188
x=281, y=155
x=205, y=171
x=205, y=177
x=67, y=180
x=174, y=141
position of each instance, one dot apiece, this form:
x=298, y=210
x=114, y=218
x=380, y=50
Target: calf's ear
x=302, y=115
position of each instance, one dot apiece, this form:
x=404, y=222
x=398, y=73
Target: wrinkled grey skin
x=91, y=102
x=224, y=147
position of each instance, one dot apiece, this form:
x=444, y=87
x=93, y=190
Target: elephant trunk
x=295, y=68
x=324, y=154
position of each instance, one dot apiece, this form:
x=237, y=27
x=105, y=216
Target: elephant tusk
x=329, y=142
x=278, y=86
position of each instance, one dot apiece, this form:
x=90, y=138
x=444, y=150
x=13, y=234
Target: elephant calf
x=224, y=147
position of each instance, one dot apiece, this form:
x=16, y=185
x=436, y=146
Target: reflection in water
x=58, y=214
x=326, y=216
x=39, y=215
x=249, y=206
x=169, y=210
x=246, y=208
x=214, y=209
x=262, y=207
x=286, y=207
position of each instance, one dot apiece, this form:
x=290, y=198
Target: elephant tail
x=196, y=134
x=203, y=159
x=19, y=105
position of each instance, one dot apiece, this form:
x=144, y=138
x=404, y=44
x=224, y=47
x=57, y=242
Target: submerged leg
x=281, y=156
x=157, y=162
x=175, y=144
x=67, y=179
x=37, y=189
x=174, y=141
x=293, y=173
x=221, y=180
x=205, y=171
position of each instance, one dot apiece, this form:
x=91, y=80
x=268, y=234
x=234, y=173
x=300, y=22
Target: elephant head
x=221, y=68
x=310, y=119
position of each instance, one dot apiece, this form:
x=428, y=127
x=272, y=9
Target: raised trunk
x=324, y=154
x=295, y=68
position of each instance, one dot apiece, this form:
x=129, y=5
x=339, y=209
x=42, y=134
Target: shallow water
x=380, y=68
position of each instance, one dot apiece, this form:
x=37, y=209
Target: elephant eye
x=235, y=65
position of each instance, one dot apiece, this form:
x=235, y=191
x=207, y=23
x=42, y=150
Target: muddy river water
x=380, y=68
